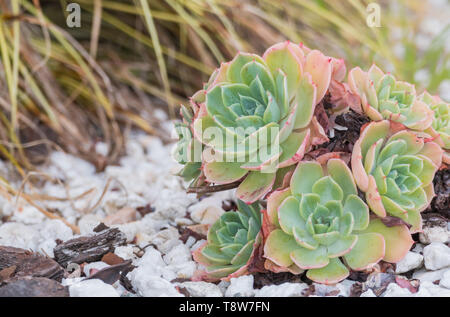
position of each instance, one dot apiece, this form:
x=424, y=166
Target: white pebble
x=18, y=235
x=202, y=289
x=151, y=286
x=368, y=293
x=92, y=288
x=428, y=276
x=178, y=255
x=241, y=287
x=434, y=234
x=394, y=290
x=87, y=223
x=282, y=290
x=435, y=290
x=436, y=256
x=411, y=261
x=126, y=252
x=445, y=280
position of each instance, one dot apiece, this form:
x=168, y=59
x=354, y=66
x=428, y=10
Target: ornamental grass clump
x=232, y=243
x=320, y=224
x=395, y=171
x=255, y=116
x=384, y=97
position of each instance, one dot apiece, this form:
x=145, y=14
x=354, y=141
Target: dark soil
x=441, y=202
x=343, y=141
x=270, y=278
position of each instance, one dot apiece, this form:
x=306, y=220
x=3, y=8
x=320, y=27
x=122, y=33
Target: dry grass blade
x=157, y=46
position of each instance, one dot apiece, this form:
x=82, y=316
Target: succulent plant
x=232, y=242
x=440, y=128
x=319, y=219
x=383, y=97
x=187, y=147
x=395, y=171
x=256, y=115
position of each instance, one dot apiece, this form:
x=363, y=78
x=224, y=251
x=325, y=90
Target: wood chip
x=145, y=210
x=89, y=248
x=29, y=263
x=112, y=259
x=33, y=287
x=6, y=273
x=111, y=274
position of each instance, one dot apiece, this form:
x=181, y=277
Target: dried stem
x=212, y=189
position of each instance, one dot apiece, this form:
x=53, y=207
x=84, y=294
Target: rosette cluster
x=384, y=97
x=232, y=241
x=261, y=124
x=320, y=220
x=255, y=116
x=395, y=171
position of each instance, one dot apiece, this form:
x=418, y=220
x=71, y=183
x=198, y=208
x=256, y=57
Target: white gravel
x=92, y=288
x=436, y=256
x=241, y=287
x=282, y=290
x=202, y=289
x=411, y=261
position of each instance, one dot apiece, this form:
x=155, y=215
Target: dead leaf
x=256, y=261
x=403, y=282
x=390, y=221
x=111, y=274
x=145, y=210
x=6, y=273
x=356, y=290
x=200, y=229
x=311, y=290
x=112, y=259
x=183, y=291
x=124, y=215
x=100, y=227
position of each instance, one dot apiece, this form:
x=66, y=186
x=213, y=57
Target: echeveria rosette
x=440, y=128
x=232, y=243
x=320, y=219
x=395, y=171
x=383, y=97
x=279, y=90
x=185, y=149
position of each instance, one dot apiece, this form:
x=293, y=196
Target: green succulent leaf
x=321, y=218
x=278, y=248
x=289, y=215
x=328, y=189
x=307, y=259
x=334, y=272
x=305, y=176
x=383, y=97
x=395, y=180
x=231, y=241
x=257, y=111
